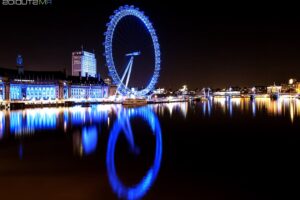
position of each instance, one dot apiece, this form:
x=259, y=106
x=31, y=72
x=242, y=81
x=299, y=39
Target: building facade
x=55, y=85
x=84, y=64
x=2, y=90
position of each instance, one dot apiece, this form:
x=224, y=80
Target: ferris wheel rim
x=119, y=14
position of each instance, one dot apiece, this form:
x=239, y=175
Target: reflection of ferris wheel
x=123, y=125
x=119, y=14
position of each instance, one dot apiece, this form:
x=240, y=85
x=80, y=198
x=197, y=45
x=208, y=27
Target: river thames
x=216, y=149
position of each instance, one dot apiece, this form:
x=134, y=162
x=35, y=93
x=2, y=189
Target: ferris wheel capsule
x=119, y=14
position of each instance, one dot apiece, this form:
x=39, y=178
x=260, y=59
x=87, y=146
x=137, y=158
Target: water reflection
x=29, y=121
x=123, y=125
x=181, y=107
x=206, y=107
x=85, y=141
x=86, y=124
x=282, y=107
x=2, y=124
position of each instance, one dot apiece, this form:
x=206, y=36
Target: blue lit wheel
x=122, y=14
x=138, y=190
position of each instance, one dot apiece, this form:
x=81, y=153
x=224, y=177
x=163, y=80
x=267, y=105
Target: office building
x=84, y=64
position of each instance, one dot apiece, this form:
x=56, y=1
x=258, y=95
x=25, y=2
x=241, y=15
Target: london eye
x=132, y=52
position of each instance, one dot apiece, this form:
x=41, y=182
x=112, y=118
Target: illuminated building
x=273, y=89
x=2, y=91
x=21, y=85
x=260, y=89
x=231, y=91
x=291, y=87
x=159, y=91
x=84, y=64
x=107, y=81
x=87, y=88
x=297, y=86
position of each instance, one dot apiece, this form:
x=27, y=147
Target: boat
x=134, y=102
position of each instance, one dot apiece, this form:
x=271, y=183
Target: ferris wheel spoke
x=127, y=69
x=129, y=73
x=123, y=38
x=129, y=135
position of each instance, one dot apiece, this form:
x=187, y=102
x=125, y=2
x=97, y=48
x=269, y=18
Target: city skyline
x=202, y=46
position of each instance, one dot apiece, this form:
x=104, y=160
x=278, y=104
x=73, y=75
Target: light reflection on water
x=29, y=121
x=168, y=108
x=287, y=107
x=123, y=124
x=88, y=121
x=2, y=124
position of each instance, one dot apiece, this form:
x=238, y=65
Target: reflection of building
x=84, y=64
x=85, y=142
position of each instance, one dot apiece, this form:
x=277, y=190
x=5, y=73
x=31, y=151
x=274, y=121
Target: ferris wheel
x=122, y=77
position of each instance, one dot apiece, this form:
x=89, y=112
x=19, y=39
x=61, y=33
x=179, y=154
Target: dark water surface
x=219, y=149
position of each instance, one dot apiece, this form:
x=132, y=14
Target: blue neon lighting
x=2, y=91
x=80, y=115
x=83, y=92
x=119, y=14
x=15, y=92
x=139, y=190
x=2, y=124
x=32, y=92
x=33, y=120
x=89, y=139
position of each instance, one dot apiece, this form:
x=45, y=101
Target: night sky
x=209, y=44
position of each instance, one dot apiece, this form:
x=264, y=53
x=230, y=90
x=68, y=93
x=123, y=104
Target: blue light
x=2, y=91
x=89, y=139
x=80, y=115
x=31, y=120
x=16, y=122
x=40, y=119
x=15, y=92
x=230, y=106
x=120, y=13
x=31, y=91
x=19, y=60
x=83, y=92
x=139, y=190
x=2, y=124
x=253, y=107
